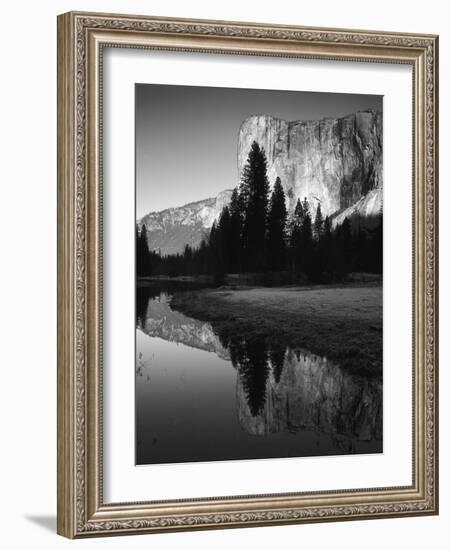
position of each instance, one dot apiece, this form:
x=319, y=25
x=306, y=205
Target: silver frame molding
x=81, y=39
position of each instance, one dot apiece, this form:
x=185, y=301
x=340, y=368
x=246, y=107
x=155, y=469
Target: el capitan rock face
x=336, y=162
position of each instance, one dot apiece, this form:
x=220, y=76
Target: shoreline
x=342, y=323
x=263, y=280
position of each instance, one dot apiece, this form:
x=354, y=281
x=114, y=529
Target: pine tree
x=318, y=223
x=235, y=232
x=306, y=249
x=378, y=245
x=223, y=228
x=305, y=206
x=254, y=192
x=276, y=228
x=344, y=241
x=375, y=248
x=254, y=371
x=143, y=268
x=327, y=229
x=276, y=356
x=188, y=255
x=326, y=248
x=296, y=221
x=301, y=237
x=361, y=247
x=216, y=251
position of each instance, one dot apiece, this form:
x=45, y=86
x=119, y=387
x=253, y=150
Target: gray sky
x=186, y=136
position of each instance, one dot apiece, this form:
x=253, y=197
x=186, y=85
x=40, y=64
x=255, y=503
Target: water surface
x=200, y=398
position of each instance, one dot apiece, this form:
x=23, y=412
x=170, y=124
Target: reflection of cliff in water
x=278, y=390
x=314, y=394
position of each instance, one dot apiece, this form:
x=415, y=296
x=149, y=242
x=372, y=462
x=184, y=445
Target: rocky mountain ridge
x=171, y=229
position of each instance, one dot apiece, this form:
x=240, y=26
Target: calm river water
x=201, y=399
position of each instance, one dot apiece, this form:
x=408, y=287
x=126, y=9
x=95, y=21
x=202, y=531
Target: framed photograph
x=247, y=276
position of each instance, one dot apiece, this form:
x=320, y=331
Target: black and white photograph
x=259, y=217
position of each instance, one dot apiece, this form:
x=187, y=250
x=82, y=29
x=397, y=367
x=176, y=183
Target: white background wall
x=28, y=270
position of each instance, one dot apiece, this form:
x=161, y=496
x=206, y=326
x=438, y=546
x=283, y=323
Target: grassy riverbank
x=343, y=323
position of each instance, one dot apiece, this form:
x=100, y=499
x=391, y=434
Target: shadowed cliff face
x=306, y=392
x=335, y=162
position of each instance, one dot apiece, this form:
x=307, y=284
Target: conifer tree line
x=255, y=234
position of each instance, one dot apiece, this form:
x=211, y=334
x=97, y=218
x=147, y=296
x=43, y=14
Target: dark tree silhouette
x=142, y=298
x=305, y=206
x=223, y=230
x=344, y=242
x=305, y=248
x=361, y=248
x=295, y=222
x=217, y=267
x=143, y=267
x=318, y=223
x=252, y=235
x=276, y=356
x=255, y=192
x=376, y=264
x=326, y=249
x=235, y=240
x=294, y=235
x=276, y=228
x=253, y=368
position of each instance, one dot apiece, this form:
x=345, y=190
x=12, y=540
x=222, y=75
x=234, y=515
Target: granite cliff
x=335, y=161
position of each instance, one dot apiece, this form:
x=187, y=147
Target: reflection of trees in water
x=254, y=358
x=279, y=389
x=143, y=295
x=276, y=354
x=251, y=359
x=252, y=355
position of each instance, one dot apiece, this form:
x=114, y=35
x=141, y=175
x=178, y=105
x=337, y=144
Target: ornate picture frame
x=82, y=38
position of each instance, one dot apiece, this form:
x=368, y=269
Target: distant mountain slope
x=171, y=229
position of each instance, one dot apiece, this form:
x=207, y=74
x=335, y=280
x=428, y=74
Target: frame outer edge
x=436, y=269
x=65, y=280
x=75, y=482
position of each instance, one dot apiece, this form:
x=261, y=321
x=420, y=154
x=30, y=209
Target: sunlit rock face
x=334, y=161
x=317, y=395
